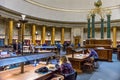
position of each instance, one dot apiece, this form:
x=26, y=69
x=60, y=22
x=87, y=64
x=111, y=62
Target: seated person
x=58, y=47
x=44, y=46
x=79, y=45
x=32, y=48
x=65, y=69
x=93, y=54
x=65, y=66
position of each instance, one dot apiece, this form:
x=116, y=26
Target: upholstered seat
x=71, y=76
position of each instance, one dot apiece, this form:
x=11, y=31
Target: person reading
x=65, y=69
x=93, y=54
x=65, y=66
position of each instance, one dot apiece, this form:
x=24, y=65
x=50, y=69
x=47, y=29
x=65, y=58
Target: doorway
x=77, y=41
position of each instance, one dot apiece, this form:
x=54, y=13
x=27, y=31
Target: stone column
x=72, y=35
x=10, y=31
x=108, y=26
x=43, y=34
x=53, y=36
x=6, y=33
x=23, y=31
x=93, y=25
x=62, y=35
x=33, y=34
x=20, y=35
x=102, y=28
x=88, y=28
x=114, y=37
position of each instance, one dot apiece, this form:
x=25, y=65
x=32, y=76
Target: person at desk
x=14, y=46
x=19, y=47
x=65, y=69
x=93, y=54
x=65, y=66
x=58, y=47
x=44, y=46
x=32, y=48
x=79, y=45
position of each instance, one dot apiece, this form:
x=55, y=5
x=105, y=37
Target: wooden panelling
x=106, y=43
x=104, y=54
x=102, y=47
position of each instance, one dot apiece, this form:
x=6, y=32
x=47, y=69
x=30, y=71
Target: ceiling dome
x=61, y=10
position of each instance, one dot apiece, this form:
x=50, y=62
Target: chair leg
x=96, y=65
x=89, y=68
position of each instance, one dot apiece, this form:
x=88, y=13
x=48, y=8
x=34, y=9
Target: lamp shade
x=23, y=16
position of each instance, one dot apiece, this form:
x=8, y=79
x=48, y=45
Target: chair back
x=71, y=76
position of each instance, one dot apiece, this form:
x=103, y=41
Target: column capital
x=43, y=25
x=33, y=24
x=108, y=15
x=114, y=26
x=102, y=19
x=93, y=15
x=10, y=19
x=53, y=26
x=88, y=19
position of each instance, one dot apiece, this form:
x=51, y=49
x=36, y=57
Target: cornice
x=37, y=3
x=18, y=14
x=36, y=18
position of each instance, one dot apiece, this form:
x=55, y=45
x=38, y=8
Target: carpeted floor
x=106, y=71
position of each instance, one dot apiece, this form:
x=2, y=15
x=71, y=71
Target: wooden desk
x=29, y=74
x=104, y=54
x=77, y=60
x=26, y=49
x=44, y=51
x=47, y=48
x=118, y=53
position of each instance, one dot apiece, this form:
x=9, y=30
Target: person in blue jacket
x=93, y=54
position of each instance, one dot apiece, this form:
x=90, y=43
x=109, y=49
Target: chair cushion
x=71, y=76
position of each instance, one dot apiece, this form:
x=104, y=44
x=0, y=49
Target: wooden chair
x=69, y=50
x=88, y=66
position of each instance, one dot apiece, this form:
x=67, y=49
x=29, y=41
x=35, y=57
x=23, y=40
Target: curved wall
x=57, y=15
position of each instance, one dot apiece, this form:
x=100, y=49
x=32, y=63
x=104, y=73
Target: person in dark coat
x=19, y=47
x=14, y=46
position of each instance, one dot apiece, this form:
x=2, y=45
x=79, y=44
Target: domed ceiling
x=61, y=10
